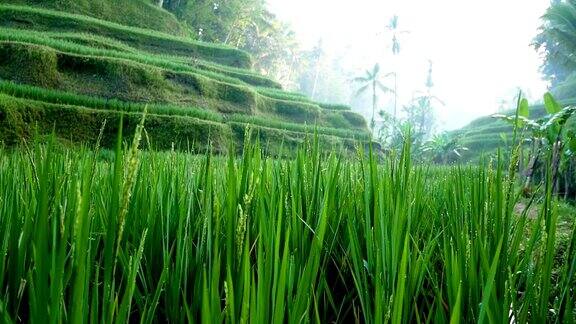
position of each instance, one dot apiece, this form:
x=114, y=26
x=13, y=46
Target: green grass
x=113, y=61
x=145, y=39
x=95, y=41
x=127, y=236
x=137, y=13
x=484, y=135
x=75, y=125
x=64, y=98
x=116, y=77
x=301, y=128
x=129, y=81
x=71, y=63
x=295, y=96
x=219, y=73
x=20, y=119
x=335, y=106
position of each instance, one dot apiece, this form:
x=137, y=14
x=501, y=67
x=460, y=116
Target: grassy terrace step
x=100, y=42
x=489, y=129
x=81, y=63
x=488, y=123
x=217, y=72
x=131, y=81
x=22, y=118
x=486, y=134
x=70, y=99
x=89, y=44
x=295, y=96
x=137, y=13
x=143, y=39
x=66, y=98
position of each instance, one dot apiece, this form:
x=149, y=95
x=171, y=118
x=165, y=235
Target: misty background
x=481, y=52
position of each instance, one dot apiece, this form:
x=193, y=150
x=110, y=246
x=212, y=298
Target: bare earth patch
x=532, y=212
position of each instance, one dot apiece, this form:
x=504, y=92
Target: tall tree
x=557, y=41
x=396, y=32
x=421, y=111
x=371, y=81
x=317, y=53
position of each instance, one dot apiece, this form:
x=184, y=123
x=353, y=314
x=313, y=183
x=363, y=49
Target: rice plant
x=145, y=236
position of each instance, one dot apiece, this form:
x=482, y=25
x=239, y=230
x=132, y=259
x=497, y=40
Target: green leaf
x=524, y=108
x=487, y=291
x=572, y=141
x=456, y=310
x=552, y=106
x=559, y=118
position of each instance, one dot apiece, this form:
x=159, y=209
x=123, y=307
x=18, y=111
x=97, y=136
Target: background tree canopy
x=557, y=41
x=245, y=24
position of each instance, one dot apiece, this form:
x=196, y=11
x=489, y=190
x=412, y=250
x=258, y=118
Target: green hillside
x=137, y=13
x=486, y=134
x=56, y=63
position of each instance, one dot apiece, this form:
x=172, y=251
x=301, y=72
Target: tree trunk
x=566, y=185
x=373, y=123
x=532, y=163
x=556, y=155
x=160, y=3
x=395, y=95
x=316, y=77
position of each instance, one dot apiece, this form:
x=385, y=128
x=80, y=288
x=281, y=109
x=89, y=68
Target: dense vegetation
x=487, y=134
x=133, y=236
x=557, y=41
x=155, y=169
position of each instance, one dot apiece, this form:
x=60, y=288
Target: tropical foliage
x=547, y=136
x=557, y=41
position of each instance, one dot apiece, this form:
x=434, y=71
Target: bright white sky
x=480, y=49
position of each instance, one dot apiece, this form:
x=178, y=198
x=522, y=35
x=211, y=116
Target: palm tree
x=371, y=80
x=423, y=106
x=557, y=39
x=393, y=28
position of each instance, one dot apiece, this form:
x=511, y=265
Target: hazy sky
x=480, y=49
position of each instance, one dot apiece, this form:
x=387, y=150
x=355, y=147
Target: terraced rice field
x=61, y=63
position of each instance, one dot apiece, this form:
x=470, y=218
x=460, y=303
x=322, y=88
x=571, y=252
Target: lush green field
x=136, y=13
x=34, y=18
x=63, y=58
x=35, y=99
x=225, y=208
x=92, y=236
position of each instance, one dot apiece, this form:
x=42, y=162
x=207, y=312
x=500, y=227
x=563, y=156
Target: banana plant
x=442, y=148
x=546, y=134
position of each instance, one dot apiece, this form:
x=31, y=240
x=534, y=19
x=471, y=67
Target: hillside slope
x=137, y=13
x=54, y=62
x=486, y=134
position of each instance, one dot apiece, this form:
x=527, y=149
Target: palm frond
x=384, y=88
x=375, y=70
x=360, y=91
x=360, y=79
